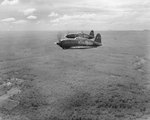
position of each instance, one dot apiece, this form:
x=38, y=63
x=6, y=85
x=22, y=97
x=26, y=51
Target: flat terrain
x=80, y=83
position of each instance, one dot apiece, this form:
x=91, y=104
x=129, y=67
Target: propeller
x=59, y=36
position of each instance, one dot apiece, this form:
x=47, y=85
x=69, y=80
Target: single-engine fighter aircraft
x=80, y=42
x=74, y=35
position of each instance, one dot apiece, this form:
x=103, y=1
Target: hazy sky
x=74, y=14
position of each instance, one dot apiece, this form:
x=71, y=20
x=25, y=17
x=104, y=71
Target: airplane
x=80, y=42
x=74, y=35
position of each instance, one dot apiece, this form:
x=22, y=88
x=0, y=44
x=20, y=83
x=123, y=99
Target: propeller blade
x=59, y=36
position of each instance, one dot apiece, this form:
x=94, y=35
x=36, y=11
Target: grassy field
x=105, y=83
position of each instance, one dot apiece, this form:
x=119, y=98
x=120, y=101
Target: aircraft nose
x=58, y=43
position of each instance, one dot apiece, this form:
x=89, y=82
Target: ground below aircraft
x=81, y=42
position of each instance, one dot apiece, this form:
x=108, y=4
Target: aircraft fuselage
x=68, y=43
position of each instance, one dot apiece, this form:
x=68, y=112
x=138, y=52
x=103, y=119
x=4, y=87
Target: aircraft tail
x=92, y=33
x=98, y=38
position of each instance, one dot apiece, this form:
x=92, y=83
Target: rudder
x=98, y=38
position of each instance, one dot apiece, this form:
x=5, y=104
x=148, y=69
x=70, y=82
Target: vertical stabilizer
x=98, y=38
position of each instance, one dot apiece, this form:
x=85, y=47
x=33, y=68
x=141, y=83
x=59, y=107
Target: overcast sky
x=74, y=14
